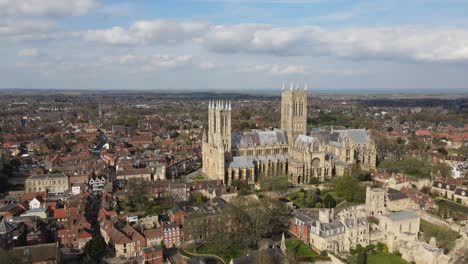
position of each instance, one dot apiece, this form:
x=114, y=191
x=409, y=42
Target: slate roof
x=303, y=142
x=357, y=136
x=260, y=138
x=336, y=137
x=249, y=161
x=462, y=192
x=401, y=215
x=394, y=195
x=48, y=176
x=39, y=253
x=6, y=227
x=443, y=185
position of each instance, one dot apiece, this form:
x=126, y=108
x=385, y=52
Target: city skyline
x=223, y=45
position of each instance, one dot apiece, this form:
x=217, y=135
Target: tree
x=442, y=151
x=274, y=183
x=361, y=254
x=444, y=169
x=94, y=250
x=329, y=201
x=348, y=188
x=310, y=199
x=138, y=192
x=463, y=151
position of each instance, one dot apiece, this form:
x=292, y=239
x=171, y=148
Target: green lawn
x=227, y=252
x=303, y=250
x=385, y=259
x=198, y=177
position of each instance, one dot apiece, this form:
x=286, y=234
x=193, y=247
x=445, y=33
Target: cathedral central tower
x=294, y=111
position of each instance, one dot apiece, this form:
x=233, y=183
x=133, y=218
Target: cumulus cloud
x=25, y=27
x=147, y=32
x=167, y=61
x=391, y=43
x=30, y=52
x=47, y=7
x=275, y=69
x=147, y=63
x=357, y=43
x=343, y=72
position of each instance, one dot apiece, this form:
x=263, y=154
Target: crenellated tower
x=216, y=146
x=294, y=111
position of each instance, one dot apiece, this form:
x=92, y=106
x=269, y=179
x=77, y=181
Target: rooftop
x=401, y=215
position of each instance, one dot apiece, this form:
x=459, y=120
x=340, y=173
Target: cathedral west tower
x=216, y=145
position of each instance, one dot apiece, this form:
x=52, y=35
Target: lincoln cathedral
x=291, y=151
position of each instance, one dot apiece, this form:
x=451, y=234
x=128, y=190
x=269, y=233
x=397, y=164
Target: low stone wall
x=437, y=221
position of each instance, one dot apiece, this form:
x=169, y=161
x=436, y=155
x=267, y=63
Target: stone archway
x=315, y=167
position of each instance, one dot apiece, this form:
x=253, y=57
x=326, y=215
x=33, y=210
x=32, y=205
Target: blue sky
x=233, y=44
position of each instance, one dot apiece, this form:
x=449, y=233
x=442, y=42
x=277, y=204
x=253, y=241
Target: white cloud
x=30, y=52
x=343, y=72
x=147, y=32
x=47, y=7
x=11, y=28
x=390, y=43
x=275, y=69
x=147, y=63
x=401, y=43
x=208, y=65
x=167, y=61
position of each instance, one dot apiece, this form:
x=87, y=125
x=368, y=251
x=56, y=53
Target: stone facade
x=52, y=183
x=287, y=151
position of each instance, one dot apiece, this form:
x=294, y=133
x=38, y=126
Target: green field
x=385, y=259
x=303, y=250
x=227, y=252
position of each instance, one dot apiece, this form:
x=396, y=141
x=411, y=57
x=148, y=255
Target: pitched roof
x=394, y=195
x=260, y=138
x=401, y=215
x=60, y=213
x=153, y=233
x=39, y=253
x=6, y=227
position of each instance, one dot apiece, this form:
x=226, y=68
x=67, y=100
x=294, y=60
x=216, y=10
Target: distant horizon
x=264, y=91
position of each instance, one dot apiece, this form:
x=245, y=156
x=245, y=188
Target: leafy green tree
x=329, y=201
x=444, y=169
x=94, y=250
x=361, y=254
x=442, y=151
x=349, y=189
x=138, y=193
x=310, y=199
